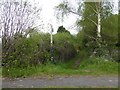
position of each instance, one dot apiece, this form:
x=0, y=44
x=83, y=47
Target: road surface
x=61, y=81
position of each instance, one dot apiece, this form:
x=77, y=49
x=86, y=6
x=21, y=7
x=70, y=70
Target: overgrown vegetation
x=32, y=55
x=91, y=66
x=27, y=51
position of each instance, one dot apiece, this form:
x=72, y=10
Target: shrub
x=28, y=51
x=63, y=47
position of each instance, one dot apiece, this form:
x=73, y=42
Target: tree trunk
x=99, y=25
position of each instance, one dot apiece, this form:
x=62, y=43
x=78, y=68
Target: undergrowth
x=91, y=66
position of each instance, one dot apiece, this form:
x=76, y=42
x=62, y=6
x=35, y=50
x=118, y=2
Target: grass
x=80, y=87
x=0, y=72
x=91, y=66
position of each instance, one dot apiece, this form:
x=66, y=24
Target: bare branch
x=15, y=17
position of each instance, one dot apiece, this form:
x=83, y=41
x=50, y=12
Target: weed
x=91, y=66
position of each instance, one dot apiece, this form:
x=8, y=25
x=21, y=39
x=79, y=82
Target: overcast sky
x=48, y=15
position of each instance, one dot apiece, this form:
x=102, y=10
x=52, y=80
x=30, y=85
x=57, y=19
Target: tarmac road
x=61, y=81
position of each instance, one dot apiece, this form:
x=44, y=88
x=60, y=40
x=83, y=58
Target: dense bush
x=27, y=51
x=22, y=51
x=35, y=49
x=104, y=46
x=110, y=36
x=63, y=46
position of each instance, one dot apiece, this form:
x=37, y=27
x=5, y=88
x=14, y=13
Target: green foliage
x=91, y=44
x=0, y=72
x=62, y=29
x=87, y=36
x=86, y=44
x=35, y=50
x=28, y=51
x=110, y=29
x=63, y=46
x=99, y=65
x=91, y=66
x=110, y=36
x=106, y=45
x=24, y=56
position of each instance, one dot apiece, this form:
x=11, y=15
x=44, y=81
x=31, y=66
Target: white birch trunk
x=99, y=25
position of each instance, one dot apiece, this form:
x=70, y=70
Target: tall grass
x=0, y=71
x=91, y=66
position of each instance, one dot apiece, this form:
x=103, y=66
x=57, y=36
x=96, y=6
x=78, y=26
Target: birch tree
x=91, y=15
x=99, y=9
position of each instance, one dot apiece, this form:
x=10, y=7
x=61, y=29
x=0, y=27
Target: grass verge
x=91, y=66
x=0, y=72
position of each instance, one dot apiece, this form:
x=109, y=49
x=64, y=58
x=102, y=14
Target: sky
x=48, y=15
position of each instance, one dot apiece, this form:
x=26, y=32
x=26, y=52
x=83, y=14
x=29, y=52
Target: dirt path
x=61, y=81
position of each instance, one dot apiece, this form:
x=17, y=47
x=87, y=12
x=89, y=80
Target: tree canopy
x=62, y=29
